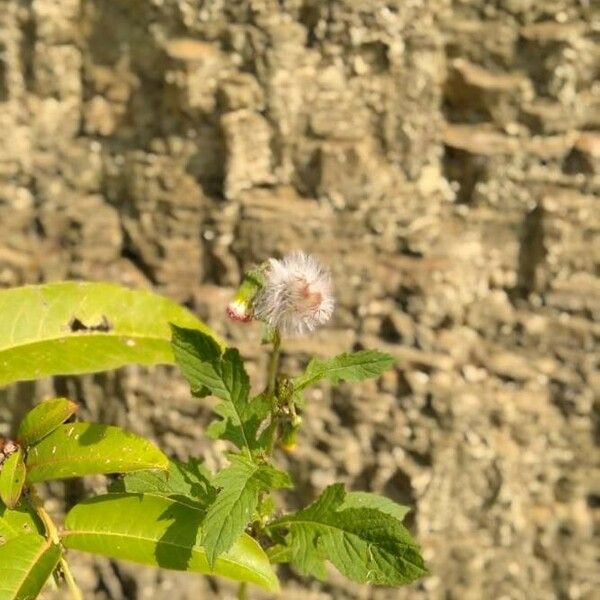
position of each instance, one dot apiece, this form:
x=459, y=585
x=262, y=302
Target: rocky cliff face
x=443, y=156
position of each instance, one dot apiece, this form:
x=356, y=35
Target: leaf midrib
x=43, y=548
x=84, y=334
x=200, y=550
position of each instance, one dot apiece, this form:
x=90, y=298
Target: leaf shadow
x=175, y=547
x=92, y=434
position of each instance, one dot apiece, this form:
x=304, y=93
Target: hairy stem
x=52, y=535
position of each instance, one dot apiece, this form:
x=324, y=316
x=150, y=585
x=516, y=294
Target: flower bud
x=240, y=308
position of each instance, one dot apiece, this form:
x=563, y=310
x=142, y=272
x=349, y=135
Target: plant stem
x=70, y=581
x=243, y=591
x=52, y=535
x=38, y=505
x=273, y=364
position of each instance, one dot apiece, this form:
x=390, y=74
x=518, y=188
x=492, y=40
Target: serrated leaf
x=20, y=521
x=189, y=481
x=44, y=419
x=159, y=531
x=12, y=478
x=78, y=449
x=241, y=484
x=370, y=500
x=71, y=328
x=365, y=544
x=224, y=375
x=26, y=562
x=355, y=366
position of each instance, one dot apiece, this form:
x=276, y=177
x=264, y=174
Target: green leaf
x=163, y=532
x=189, y=481
x=78, y=449
x=241, y=484
x=365, y=544
x=369, y=500
x=26, y=562
x=44, y=419
x=12, y=478
x=18, y=522
x=70, y=328
x=344, y=367
x=203, y=365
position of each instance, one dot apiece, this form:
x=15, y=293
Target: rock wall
x=443, y=156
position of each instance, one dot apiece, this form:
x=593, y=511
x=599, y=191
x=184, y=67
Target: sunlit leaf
x=26, y=562
x=12, y=478
x=366, y=544
x=370, y=500
x=354, y=366
x=77, y=449
x=189, y=482
x=17, y=522
x=45, y=418
x=160, y=531
x=70, y=328
x=241, y=484
x=203, y=365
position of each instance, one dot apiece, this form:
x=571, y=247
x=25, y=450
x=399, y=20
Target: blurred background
x=442, y=156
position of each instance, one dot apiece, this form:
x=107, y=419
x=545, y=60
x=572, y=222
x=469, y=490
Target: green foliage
x=240, y=485
x=365, y=543
x=160, y=531
x=44, y=419
x=12, y=479
x=344, y=367
x=188, y=482
x=26, y=562
x=203, y=365
x=70, y=328
x=381, y=503
x=20, y=521
x=77, y=449
x=167, y=513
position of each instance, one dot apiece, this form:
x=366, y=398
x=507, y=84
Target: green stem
x=242, y=591
x=69, y=579
x=52, y=535
x=271, y=385
x=273, y=365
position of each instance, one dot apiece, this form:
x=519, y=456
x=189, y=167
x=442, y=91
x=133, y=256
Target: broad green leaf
x=345, y=367
x=159, y=531
x=70, y=328
x=77, y=449
x=241, y=484
x=189, y=481
x=44, y=419
x=12, y=479
x=224, y=375
x=18, y=522
x=194, y=355
x=369, y=500
x=365, y=544
x=26, y=562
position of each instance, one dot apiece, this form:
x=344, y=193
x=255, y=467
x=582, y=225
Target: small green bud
x=240, y=308
x=284, y=389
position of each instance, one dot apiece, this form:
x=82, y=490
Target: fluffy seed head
x=297, y=295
